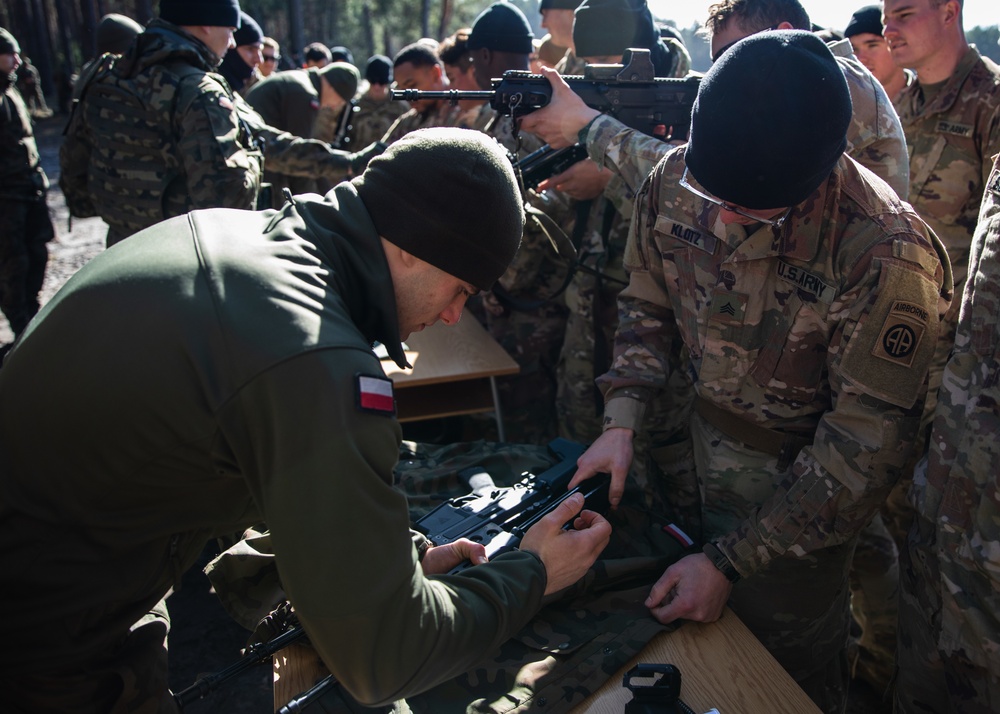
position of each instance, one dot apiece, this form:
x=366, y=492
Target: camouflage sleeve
x=74, y=159
x=884, y=326
x=222, y=170
x=294, y=156
x=629, y=153
x=647, y=334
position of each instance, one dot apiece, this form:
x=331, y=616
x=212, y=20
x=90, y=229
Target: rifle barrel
x=453, y=95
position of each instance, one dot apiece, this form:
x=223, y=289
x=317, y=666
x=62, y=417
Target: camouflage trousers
x=25, y=228
x=132, y=681
x=796, y=606
x=927, y=680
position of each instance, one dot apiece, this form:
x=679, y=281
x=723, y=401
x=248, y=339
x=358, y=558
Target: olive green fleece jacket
x=201, y=377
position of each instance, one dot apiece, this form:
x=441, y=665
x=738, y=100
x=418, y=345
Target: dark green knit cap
x=8, y=45
x=449, y=197
x=343, y=77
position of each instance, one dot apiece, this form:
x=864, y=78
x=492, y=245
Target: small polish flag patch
x=682, y=537
x=375, y=395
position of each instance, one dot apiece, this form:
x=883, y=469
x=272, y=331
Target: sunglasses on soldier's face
x=271, y=58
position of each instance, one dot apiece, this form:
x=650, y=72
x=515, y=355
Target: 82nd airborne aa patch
x=374, y=394
x=901, y=333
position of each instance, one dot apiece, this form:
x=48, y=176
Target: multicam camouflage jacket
x=957, y=491
x=826, y=325
x=21, y=176
x=444, y=114
x=952, y=137
x=874, y=138
x=563, y=655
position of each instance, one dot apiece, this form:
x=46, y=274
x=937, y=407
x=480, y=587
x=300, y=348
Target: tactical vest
x=136, y=175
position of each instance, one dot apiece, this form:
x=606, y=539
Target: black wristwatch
x=720, y=561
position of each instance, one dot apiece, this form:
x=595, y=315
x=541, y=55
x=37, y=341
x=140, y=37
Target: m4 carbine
x=498, y=517
x=629, y=92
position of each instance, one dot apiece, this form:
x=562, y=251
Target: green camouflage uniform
x=949, y=626
x=952, y=131
x=372, y=119
x=158, y=134
x=820, y=332
x=25, y=226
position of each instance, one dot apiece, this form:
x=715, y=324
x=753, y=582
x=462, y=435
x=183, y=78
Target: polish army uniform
x=372, y=119
x=950, y=569
x=807, y=345
x=256, y=398
x=158, y=134
x=444, y=114
x=25, y=225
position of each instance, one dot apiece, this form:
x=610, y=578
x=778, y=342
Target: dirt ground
x=203, y=639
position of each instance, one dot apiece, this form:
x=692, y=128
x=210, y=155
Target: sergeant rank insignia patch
x=902, y=331
x=374, y=394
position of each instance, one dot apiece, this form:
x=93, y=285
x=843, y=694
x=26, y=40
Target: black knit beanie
x=215, y=13
x=8, y=45
x=249, y=32
x=115, y=33
x=378, y=70
x=339, y=53
x=558, y=5
x=867, y=19
x=604, y=27
x=770, y=120
x=343, y=77
x=449, y=197
x=503, y=28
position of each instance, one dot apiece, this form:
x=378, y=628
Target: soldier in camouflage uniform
x=374, y=110
x=239, y=65
x=157, y=133
x=25, y=226
x=417, y=66
x=949, y=626
x=295, y=101
x=807, y=297
x=457, y=60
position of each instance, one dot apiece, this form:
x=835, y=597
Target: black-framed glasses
x=776, y=222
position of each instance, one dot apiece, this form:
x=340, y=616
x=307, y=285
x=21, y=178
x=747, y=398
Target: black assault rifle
x=629, y=92
x=499, y=517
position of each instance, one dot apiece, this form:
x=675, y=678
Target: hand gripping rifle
x=499, y=517
x=629, y=92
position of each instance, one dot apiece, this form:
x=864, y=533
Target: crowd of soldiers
x=783, y=331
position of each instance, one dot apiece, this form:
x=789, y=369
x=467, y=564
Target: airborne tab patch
x=950, y=127
x=901, y=333
x=692, y=236
x=374, y=394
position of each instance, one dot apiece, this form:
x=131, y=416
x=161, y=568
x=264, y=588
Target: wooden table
x=454, y=372
x=722, y=665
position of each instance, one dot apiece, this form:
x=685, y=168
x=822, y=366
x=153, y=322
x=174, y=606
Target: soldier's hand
x=692, y=588
x=442, y=558
x=567, y=554
x=560, y=121
x=611, y=454
x=582, y=181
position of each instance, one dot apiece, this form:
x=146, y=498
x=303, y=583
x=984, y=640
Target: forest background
x=59, y=35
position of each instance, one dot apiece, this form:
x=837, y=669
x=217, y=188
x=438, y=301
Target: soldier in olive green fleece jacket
x=215, y=371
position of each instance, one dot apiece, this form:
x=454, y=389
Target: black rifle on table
x=629, y=92
x=498, y=517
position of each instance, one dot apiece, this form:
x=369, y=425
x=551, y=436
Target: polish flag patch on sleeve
x=375, y=395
